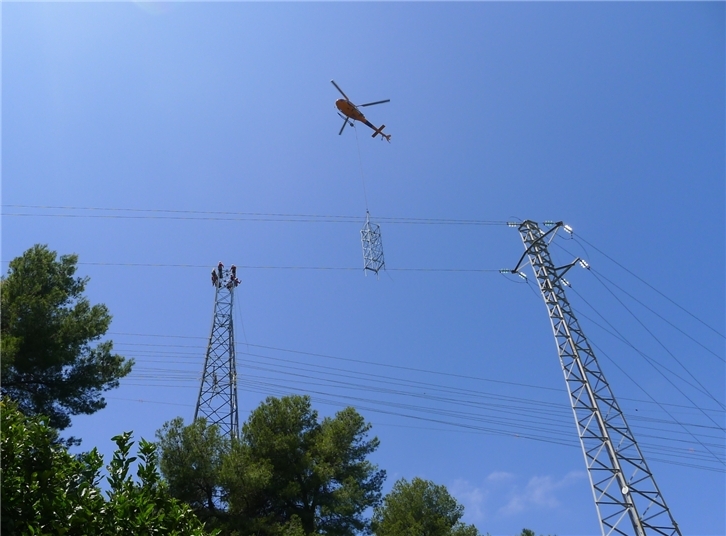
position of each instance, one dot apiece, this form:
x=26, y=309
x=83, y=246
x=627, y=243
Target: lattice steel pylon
x=627, y=498
x=370, y=237
x=217, y=401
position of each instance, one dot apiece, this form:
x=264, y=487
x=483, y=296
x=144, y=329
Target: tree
x=420, y=508
x=318, y=472
x=42, y=485
x=287, y=475
x=146, y=506
x=49, y=366
x=191, y=462
x=45, y=490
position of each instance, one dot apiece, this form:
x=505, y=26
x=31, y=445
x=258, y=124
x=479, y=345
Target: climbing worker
x=220, y=267
x=214, y=278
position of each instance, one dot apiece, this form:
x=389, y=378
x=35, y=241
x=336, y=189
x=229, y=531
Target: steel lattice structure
x=370, y=237
x=217, y=401
x=627, y=498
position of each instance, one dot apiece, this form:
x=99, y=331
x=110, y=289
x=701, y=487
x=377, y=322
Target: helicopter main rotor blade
x=345, y=123
x=377, y=102
x=341, y=91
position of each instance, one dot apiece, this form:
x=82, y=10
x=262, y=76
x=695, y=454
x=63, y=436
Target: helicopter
x=351, y=111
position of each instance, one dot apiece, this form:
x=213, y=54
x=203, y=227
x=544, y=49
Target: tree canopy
x=288, y=473
x=46, y=490
x=420, y=508
x=49, y=365
x=191, y=462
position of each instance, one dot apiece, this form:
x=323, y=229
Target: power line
x=262, y=267
x=577, y=238
x=655, y=364
x=236, y=216
x=515, y=405
x=374, y=363
x=650, y=361
x=323, y=268
x=347, y=373
x=523, y=407
x=704, y=390
x=258, y=384
x=597, y=274
x=388, y=365
x=658, y=315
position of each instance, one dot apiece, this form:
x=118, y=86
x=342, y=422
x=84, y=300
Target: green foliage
x=48, y=364
x=191, y=461
x=45, y=490
x=420, y=508
x=287, y=475
x=317, y=471
x=143, y=507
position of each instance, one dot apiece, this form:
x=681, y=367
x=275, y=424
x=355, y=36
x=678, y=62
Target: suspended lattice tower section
x=217, y=401
x=370, y=237
x=627, y=498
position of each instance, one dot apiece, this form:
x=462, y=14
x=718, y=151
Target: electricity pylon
x=370, y=237
x=627, y=498
x=217, y=401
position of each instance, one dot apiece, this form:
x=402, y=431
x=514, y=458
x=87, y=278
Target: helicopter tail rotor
x=378, y=131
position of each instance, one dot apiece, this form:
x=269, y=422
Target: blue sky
x=177, y=135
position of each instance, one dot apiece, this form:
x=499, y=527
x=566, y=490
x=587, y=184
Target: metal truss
x=627, y=498
x=217, y=401
x=370, y=237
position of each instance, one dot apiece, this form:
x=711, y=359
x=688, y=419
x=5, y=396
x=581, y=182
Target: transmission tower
x=217, y=401
x=627, y=498
x=370, y=237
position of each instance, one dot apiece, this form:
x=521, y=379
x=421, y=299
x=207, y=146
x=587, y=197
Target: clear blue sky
x=608, y=116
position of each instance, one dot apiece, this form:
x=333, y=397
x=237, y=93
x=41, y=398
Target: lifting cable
x=360, y=161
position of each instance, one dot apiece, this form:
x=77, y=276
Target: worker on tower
x=220, y=267
x=233, y=269
x=214, y=278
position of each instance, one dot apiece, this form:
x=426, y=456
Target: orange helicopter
x=351, y=111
